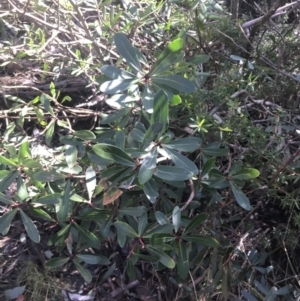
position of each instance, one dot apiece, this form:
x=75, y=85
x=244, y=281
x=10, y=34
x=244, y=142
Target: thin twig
x=190, y=198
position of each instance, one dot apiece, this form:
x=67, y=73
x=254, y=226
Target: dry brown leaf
x=111, y=195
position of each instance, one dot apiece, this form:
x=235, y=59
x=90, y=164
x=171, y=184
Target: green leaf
x=150, y=189
x=202, y=240
x=108, y=273
x=121, y=238
x=236, y=166
x=248, y=296
x=113, y=153
x=85, y=273
x=162, y=238
x=176, y=218
x=6, y=161
x=182, y=161
x=51, y=199
x=161, y=218
x=47, y=176
x=128, y=52
x=114, y=117
x=172, y=173
x=176, y=82
x=90, y=178
x=246, y=174
x=8, y=180
x=92, y=259
x=117, y=86
x=120, y=140
x=137, y=135
x=49, y=133
x=168, y=56
x=64, y=204
x=188, y=144
x=147, y=99
x=32, y=164
x=61, y=235
x=240, y=197
x=41, y=214
x=85, y=135
x=148, y=166
x=90, y=237
x=195, y=222
x=5, y=200
x=207, y=167
x=132, y=211
x=160, y=108
x=71, y=155
x=226, y=275
x=71, y=140
x=22, y=192
x=165, y=229
x=152, y=133
x=199, y=59
x=219, y=183
x=5, y=220
x=56, y=262
x=44, y=100
x=24, y=152
x=126, y=229
x=30, y=227
x=165, y=259
x=116, y=73
x=214, y=150
x=175, y=101
x=142, y=223
x=182, y=261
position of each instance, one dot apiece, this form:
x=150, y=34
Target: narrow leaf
x=8, y=180
x=176, y=82
x=195, y=222
x=93, y=259
x=246, y=174
x=113, y=153
x=160, y=108
x=151, y=190
x=183, y=262
x=30, y=227
x=161, y=218
x=6, y=161
x=188, y=144
x=168, y=56
x=64, y=204
x=182, y=161
x=126, y=229
x=165, y=259
x=176, y=218
x=142, y=223
x=85, y=273
x=85, y=135
x=127, y=51
x=5, y=200
x=240, y=197
x=116, y=73
x=90, y=237
x=116, y=86
x=47, y=176
x=203, y=240
x=172, y=173
x=6, y=220
x=91, y=182
x=71, y=155
x=148, y=167
x=56, y=262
